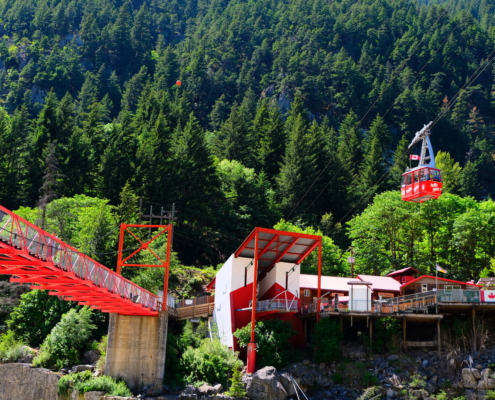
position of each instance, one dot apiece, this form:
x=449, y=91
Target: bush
x=211, y=362
x=490, y=395
x=442, y=395
x=102, y=349
x=85, y=382
x=272, y=341
x=370, y=380
x=386, y=336
x=63, y=345
x=326, y=341
x=237, y=387
x=36, y=315
x=11, y=349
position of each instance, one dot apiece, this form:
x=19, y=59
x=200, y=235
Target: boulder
x=206, y=390
x=393, y=357
x=471, y=394
x=91, y=357
x=218, y=388
x=94, y=395
x=265, y=385
x=286, y=381
x=156, y=390
x=470, y=377
x=81, y=368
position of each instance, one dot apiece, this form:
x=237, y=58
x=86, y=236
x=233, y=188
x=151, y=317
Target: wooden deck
x=195, y=311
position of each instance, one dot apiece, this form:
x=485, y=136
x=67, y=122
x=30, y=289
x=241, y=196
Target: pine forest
x=241, y=113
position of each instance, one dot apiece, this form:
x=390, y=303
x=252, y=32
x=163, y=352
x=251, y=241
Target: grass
x=85, y=382
x=11, y=349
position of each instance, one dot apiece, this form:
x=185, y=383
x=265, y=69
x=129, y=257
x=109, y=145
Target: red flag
x=414, y=157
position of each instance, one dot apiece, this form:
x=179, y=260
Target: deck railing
x=276, y=304
x=194, y=302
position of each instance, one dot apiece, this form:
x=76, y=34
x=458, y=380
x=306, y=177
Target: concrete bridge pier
x=136, y=349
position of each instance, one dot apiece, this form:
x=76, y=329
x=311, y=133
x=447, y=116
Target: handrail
x=24, y=235
x=277, y=304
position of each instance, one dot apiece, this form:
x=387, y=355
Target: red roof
x=277, y=246
x=440, y=279
x=401, y=271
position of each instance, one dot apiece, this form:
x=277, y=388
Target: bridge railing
x=24, y=235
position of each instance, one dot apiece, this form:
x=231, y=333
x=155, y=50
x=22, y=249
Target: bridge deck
x=34, y=256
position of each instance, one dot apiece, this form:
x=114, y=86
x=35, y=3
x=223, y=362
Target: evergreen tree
x=233, y=141
x=118, y=160
x=268, y=130
x=298, y=169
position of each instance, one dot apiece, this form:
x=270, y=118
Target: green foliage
x=272, y=342
x=332, y=263
x=392, y=234
x=210, y=362
x=337, y=378
x=11, y=349
x=85, y=382
x=36, y=315
x=490, y=395
x=370, y=380
x=102, y=349
x=442, y=395
x=386, y=336
x=237, y=387
x=62, y=347
x=327, y=341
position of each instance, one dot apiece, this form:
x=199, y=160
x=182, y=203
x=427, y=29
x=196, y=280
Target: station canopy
x=277, y=246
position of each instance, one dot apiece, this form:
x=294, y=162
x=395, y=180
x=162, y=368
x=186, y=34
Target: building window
x=424, y=287
x=307, y=293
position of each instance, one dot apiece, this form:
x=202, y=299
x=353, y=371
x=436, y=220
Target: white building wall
x=277, y=275
x=229, y=278
x=359, y=298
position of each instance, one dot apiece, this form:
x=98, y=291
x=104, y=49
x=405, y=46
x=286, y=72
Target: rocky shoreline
x=419, y=375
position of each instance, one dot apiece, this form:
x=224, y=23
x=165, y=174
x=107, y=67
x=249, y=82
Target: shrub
x=63, y=345
x=36, y=315
x=210, y=362
x=11, y=349
x=272, y=340
x=102, y=349
x=370, y=380
x=237, y=387
x=85, y=382
x=490, y=395
x=337, y=378
x=326, y=341
x=387, y=330
x=442, y=395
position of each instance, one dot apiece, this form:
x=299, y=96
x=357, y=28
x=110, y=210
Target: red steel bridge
x=34, y=256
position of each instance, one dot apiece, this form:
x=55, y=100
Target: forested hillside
x=293, y=109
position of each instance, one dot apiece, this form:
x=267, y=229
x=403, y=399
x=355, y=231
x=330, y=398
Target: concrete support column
x=136, y=349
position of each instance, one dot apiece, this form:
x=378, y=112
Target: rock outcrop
x=21, y=381
x=265, y=385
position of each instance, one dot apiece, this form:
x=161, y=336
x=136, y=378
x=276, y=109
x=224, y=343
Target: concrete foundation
x=136, y=349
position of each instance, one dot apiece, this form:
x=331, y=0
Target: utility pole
x=164, y=215
x=351, y=260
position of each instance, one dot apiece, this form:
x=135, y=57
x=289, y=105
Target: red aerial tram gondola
x=425, y=181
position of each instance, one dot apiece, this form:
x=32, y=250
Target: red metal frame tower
x=269, y=247
x=144, y=245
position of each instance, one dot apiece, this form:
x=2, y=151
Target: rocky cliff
x=21, y=381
